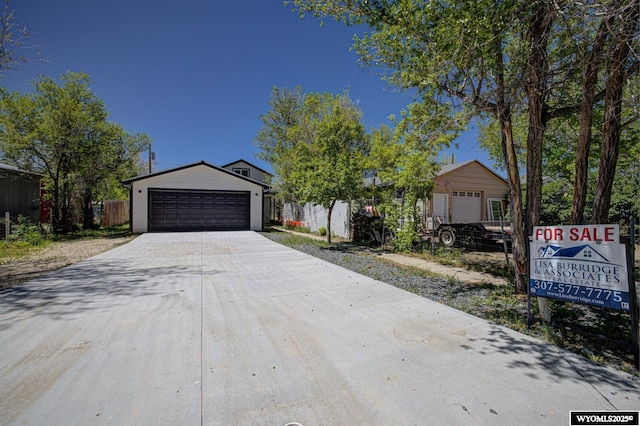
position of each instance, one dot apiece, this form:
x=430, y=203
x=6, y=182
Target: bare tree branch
x=12, y=41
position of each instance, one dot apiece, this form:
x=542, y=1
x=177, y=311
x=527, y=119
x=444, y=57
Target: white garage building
x=196, y=197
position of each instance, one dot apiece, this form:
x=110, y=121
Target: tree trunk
x=611, y=127
x=589, y=81
x=518, y=235
x=537, y=83
x=56, y=215
x=66, y=220
x=329, y=212
x=87, y=210
x=537, y=88
x=55, y=211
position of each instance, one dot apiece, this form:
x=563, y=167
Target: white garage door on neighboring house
x=467, y=206
x=198, y=210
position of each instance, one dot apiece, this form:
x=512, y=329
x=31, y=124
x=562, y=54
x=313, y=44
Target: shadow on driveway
x=95, y=284
x=544, y=362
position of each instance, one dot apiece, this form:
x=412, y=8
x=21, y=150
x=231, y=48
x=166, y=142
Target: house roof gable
x=233, y=163
x=449, y=168
x=188, y=166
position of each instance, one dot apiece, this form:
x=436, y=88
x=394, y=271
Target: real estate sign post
x=583, y=264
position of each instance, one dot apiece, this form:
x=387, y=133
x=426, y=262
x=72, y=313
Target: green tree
x=585, y=105
x=621, y=61
x=503, y=59
x=61, y=130
x=107, y=158
x=331, y=161
x=625, y=193
x=471, y=52
x=277, y=139
x=316, y=145
x=405, y=160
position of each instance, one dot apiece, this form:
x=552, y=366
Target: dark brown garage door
x=181, y=210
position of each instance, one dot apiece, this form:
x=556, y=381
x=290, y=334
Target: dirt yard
x=55, y=256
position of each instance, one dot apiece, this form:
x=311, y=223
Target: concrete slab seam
x=588, y=381
x=201, y=331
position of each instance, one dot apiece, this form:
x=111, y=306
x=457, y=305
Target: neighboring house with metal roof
x=19, y=193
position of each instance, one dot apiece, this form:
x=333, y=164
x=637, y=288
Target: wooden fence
x=113, y=213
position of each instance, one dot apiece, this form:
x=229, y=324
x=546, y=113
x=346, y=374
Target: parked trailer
x=472, y=234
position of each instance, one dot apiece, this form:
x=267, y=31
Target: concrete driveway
x=233, y=329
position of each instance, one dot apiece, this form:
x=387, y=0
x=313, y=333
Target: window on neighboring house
x=495, y=209
x=243, y=172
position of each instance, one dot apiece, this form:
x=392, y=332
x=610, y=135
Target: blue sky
x=196, y=75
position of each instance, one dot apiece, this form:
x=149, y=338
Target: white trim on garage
x=194, y=177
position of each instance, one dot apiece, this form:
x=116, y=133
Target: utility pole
x=152, y=157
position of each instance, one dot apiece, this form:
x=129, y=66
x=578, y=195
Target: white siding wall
x=197, y=177
x=254, y=173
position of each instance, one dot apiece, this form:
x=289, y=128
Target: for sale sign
x=583, y=264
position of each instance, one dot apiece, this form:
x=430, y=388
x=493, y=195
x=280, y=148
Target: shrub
x=26, y=231
x=322, y=231
x=405, y=239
